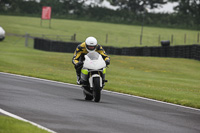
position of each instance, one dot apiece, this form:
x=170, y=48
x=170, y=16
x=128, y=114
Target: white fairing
x=94, y=64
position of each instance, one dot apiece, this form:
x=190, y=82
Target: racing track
x=61, y=108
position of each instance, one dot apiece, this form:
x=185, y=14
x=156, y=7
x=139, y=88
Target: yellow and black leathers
x=81, y=51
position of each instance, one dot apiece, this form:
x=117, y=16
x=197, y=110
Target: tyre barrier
x=181, y=51
x=165, y=43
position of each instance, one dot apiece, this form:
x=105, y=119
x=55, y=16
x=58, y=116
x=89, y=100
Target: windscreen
x=93, y=55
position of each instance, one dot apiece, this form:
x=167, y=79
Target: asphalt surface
x=61, y=108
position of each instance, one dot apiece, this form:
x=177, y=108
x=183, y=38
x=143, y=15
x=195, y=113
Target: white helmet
x=2, y=33
x=91, y=44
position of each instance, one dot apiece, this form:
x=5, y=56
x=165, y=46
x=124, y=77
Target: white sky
x=167, y=8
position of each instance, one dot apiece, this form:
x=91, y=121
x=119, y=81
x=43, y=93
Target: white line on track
x=181, y=106
x=22, y=119
x=79, y=86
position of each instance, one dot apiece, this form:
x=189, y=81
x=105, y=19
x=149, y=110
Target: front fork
x=87, y=77
x=95, y=76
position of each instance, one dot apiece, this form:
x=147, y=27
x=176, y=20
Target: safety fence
x=181, y=51
x=130, y=40
x=30, y=37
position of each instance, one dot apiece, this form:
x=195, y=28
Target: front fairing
x=94, y=61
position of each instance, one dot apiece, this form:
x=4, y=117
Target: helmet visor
x=91, y=47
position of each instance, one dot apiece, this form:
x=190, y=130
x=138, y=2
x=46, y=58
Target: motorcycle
x=93, y=76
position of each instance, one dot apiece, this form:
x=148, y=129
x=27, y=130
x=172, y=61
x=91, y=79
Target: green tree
x=189, y=9
x=29, y=7
x=10, y=5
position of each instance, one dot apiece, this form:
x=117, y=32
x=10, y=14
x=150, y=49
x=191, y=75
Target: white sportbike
x=93, y=76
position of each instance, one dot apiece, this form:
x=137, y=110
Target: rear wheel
x=96, y=90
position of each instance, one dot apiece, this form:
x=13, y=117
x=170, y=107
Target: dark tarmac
x=61, y=108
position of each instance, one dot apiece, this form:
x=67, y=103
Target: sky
x=167, y=8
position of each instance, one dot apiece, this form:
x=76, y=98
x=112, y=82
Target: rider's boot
x=78, y=79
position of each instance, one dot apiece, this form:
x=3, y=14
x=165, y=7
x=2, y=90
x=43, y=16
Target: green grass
x=10, y=125
x=165, y=79
x=118, y=35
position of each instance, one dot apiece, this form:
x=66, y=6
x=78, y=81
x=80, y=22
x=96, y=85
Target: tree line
x=186, y=13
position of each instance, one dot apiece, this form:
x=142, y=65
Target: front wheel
x=96, y=90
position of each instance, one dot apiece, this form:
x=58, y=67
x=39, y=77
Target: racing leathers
x=79, y=53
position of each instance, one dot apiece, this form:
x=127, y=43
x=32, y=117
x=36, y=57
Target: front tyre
x=96, y=89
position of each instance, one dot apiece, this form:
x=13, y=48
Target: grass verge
x=10, y=125
x=118, y=35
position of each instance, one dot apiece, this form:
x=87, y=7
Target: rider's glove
x=79, y=64
x=107, y=62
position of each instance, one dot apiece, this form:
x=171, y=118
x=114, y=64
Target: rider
x=82, y=49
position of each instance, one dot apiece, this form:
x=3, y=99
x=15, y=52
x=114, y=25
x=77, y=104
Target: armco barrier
x=184, y=51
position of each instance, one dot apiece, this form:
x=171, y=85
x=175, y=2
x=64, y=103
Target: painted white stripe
x=117, y=93
x=39, y=79
x=22, y=119
x=153, y=100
